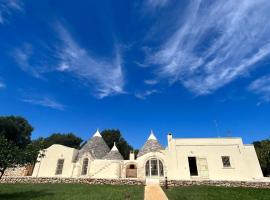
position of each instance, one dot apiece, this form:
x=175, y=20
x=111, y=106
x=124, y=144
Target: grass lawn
x=220, y=193
x=69, y=192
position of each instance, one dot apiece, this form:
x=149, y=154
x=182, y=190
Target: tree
x=263, y=152
x=12, y=156
x=114, y=135
x=9, y=155
x=15, y=143
x=67, y=139
x=33, y=151
x=16, y=129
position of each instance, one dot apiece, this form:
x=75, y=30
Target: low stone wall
x=171, y=183
x=71, y=180
x=251, y=184
x=17, y=171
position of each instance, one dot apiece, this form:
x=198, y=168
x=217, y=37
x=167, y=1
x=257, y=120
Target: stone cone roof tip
x=114, y=154
x=114, y=147
x=97, y=134
x=152, y=136
x=96, y=146
x=151, y=145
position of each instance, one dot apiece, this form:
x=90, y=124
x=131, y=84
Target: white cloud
x=151, y=82
x=7, y=7
x=261, y=87
x=105, y=74
x=156, y=3
x=45, y=102
x=216, y=43
x=2, y=85
x=23, y=56
x=145, y=94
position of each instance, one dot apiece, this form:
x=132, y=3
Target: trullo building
x=182, y=159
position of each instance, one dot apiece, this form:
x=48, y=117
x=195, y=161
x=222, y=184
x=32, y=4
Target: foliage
x=16, y=129
x=66, y=139
x=114, y=135
x=263, y=153
x=10, y=155
x=16, y=147
x=32, y=152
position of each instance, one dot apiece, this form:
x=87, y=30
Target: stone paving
x=154, y=192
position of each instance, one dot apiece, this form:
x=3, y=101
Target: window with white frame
x=226, y=161
x=154, y=167
x=59, y=167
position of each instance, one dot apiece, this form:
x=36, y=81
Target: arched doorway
x=154, y=168
x=131, y=171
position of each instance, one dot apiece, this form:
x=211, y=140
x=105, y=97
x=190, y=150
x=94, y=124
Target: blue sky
x=194, y=68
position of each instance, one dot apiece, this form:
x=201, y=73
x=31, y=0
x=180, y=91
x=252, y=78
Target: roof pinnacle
x=97, y=134
x=152, y=136
x=114, y=147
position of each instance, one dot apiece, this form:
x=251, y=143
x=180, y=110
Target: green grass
x=220, y=193
x=69, y=192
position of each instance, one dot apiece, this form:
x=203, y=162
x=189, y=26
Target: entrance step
x=152, y=181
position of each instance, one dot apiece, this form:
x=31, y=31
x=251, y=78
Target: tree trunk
x=2, y=171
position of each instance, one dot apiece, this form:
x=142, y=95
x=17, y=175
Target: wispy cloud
x=261, y=87
x=150, y=82
x=23, y=56
x=105, y=74
x=45, y=102
x=2, y=85
x=216, y=43
x=7, y=7
x=156, y=3
x=145, y=94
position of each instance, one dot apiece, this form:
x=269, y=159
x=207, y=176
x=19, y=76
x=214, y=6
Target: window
x=59, y=167
x=147, y=171
x=154, y=167
x=226, y=161
x=85, y=166
x=192, y=166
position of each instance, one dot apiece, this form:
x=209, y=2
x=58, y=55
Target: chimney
x=131, y=156
x=169, y=137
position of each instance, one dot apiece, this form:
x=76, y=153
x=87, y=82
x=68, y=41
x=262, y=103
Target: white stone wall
x=244, y=162
x=109, y=169
x=46, y=167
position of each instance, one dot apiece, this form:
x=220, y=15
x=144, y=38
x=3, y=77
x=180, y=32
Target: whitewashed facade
x=182, y=159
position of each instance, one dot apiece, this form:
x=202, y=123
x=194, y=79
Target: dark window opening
x=226, y=161
x=85, y=166
x=131, y=167
x=59, y=167
x=192, y=166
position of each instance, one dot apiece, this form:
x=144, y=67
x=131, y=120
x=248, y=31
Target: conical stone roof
x=151, y=145
x=114, y=154
x=96, y=146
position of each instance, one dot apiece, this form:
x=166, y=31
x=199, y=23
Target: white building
x=183, y=159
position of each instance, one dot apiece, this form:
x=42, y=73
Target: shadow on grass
x=25, y=195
